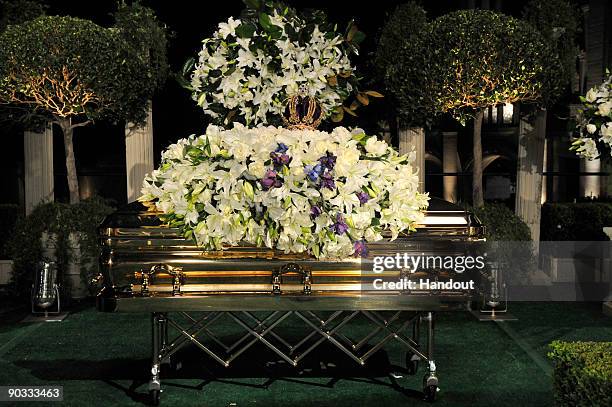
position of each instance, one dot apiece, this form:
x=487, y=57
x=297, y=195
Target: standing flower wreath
x=249, y=67
x=595, y=122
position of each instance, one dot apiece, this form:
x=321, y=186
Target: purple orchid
x=281, y=148
x=327, y=181
x=328, y=161
x=339, y=227
x=315, y=211
x=313, y=172
x=363, y=197
x=271, y=180
x=361, y=249
x=280, y=159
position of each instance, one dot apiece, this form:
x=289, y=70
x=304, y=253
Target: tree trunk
x=71, y=172
x=477, y=193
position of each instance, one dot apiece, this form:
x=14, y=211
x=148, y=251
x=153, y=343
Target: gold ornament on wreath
x=303, y=112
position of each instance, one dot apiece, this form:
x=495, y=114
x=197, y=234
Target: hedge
x=9, y=215
x=583, y=373
x=504, y=230
x=501, y=223
x=582, y=221
x=60, y=219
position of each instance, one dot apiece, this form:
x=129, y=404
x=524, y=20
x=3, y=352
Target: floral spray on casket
x=294, y=188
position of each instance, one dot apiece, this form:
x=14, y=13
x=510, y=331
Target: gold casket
x=147, y=266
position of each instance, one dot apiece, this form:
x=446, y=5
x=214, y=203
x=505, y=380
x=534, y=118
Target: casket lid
x=441, y=217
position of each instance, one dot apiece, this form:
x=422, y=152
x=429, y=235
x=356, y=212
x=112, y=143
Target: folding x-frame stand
x=321, y=330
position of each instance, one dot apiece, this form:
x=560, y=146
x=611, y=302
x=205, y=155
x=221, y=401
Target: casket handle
x=277, y=277
x=177, y=278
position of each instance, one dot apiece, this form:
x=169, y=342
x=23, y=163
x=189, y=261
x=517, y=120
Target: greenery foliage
x=508, y=240
x=559, y=22
x=403, y=27
x=70, y=71
x=583, y=373
x=582, y=221
x=9, y=215
x=463, y=62
x=501, y=223
x=60, y=219
x=65, y=67
x=485, y=58
x=148, y=38
x=405, y=59
x=19, y=11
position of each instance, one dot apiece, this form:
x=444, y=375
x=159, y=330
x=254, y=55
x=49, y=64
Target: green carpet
x=103, y=359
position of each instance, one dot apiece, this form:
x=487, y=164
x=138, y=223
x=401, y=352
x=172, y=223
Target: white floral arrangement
x=249, y=67
x=296, y=191
x=595, y=122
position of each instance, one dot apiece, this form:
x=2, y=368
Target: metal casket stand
x=148, y=267
x=322, y=330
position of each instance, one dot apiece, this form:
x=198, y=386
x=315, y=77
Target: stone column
x=449, y=164
x=38, y=163
x=138, y=154
x=414, y=137
x=529, y=175
x=544, y=195
x=607, y=305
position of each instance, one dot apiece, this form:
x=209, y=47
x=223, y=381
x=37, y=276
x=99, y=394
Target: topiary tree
x=403, y=27
x=19, y=11
x=485, y=59
x=148, y=38
x=403, y=61
x=71, y=72
x=405, y=57
x=558, y=21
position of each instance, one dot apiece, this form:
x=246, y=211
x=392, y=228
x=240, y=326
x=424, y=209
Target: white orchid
x=228, y=28
x=375, y=147
x=588, y=149
x=595, y=122
x=319, y=196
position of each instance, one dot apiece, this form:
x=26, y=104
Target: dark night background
x=100, y=149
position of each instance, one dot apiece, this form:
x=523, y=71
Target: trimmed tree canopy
x=148, y=38
x=486, y=59
x=71, y=71
x=559, y=22
x=404, y=26
x=18, y=11
x=404, y=58
x=64, y=67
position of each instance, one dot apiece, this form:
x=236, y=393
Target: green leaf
x=315, y=250
x=246, y=30
x=358, y=37
x=265, y=21
x=248, y=190
x=252, y=4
